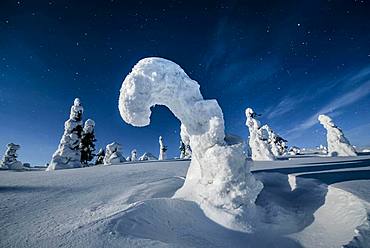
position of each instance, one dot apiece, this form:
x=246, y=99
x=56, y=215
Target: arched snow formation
x=218, y=179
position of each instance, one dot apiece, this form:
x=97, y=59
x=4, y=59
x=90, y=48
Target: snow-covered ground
x=306, y=202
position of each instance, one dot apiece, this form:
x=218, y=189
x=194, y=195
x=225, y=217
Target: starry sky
x=289, y=60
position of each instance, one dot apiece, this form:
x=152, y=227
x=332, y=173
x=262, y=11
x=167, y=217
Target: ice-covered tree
x=186, y=140
x=88, y=140
x=9, y=160
x=338, y=144
x=68, y=154
x=147, y=156
x=113, y=154
x=162, y=149
x=277, y=144
x=100, y=157
x=133, y=156
x=218, y=178
x=182, y=149
x=258, y=145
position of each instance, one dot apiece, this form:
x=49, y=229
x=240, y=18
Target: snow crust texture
x=218, y=179
x=338, y=144
x=68, y=154
x=259, y=147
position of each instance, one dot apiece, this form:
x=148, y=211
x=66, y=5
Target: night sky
x=289, y=60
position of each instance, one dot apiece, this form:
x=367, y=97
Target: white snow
x=9, y=160
x=68, y=154
x=259, y=147
x=147, y=156
x=162, y=149
x=113, y=154
x=338, y=145
x=131, y=206
x=276, y=143
x=218, y=179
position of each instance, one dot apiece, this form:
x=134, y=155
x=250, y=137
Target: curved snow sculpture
x=338, y=145
x=260, y=149
x=218, y=178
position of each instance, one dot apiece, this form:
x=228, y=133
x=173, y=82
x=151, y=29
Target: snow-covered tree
x=294, y=150
x=133, y=156
x=219, y=178
x=113, y=154
x=68, y=154
x=162, y=149
x=147, y=156
x=338, y=144
x=9, y=160
x=186, y=140
x=100, y=157
x=258, y=145
x=88, y=140
x=182, y=149
x=277, y=144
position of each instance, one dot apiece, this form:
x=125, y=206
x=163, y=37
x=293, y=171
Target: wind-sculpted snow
x=259, y=147
x=338, y=145
x=218, y=179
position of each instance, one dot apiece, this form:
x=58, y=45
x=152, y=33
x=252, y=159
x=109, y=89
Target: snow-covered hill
x=130, y=205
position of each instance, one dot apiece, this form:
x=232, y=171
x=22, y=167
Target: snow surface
x=338, y=145
x=130, y=205
x=218, y=179
x=259, y=147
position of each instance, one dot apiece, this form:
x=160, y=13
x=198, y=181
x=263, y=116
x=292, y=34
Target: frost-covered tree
x=100, y=157
x=9, y=160
x=133, y=156
x=88, y=140
x=182, y=149
x=277, y=144
x=219, y=178
x=147, y=156
x=68, y=154
x=258, y=145
x=338, y=144
x=162, y=149
x=186, y=140
x=113, y=154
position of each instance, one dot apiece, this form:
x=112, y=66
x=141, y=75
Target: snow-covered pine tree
x=87, y=144
x=68, y=154
x=100, y=157
x=162, y=149
x=113, y=154
x=338, y=144
x=259, y=147
x=10, y=158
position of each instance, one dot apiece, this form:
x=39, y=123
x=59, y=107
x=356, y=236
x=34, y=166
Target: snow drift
x=218, y=179
x=338, y=145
